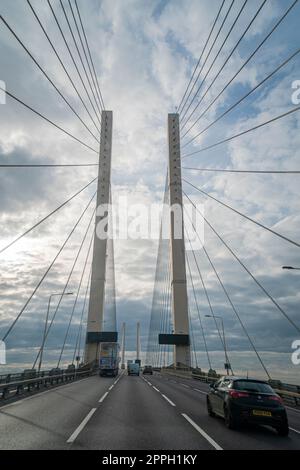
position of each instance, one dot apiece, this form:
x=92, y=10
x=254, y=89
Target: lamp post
x=224, y=341
x=46, y=325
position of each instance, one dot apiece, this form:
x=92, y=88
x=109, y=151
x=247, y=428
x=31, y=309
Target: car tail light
x=275, y=398
x=236, y=394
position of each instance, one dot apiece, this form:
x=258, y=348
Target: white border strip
x=81, y=426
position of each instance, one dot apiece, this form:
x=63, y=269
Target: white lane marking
x=200, y=391
x=81, y=426
x=186, y=386
x=155, y=388
x=295, y=430
x=292, y=409
x=111, y=387
x=103, y=397
x=168, y=399
x=203, y=433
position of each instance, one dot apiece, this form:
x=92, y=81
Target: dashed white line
x=168, y=400
x=292, y=409
x=295, y=430
x=156, y=389
x=200, y=391
x=203, y=433
x=103, y=397
x=186, y=386
x=81, y=426
x=111, y=387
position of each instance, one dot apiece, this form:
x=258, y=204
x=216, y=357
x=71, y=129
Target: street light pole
x=46, y=327
x=224, y=339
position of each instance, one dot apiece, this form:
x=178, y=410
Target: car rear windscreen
x=250, y=386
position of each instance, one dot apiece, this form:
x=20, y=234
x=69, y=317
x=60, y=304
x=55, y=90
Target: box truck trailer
x=109, y=359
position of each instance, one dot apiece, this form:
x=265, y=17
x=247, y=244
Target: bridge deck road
x=135, y=416
x=127, y=413
x=45, y=420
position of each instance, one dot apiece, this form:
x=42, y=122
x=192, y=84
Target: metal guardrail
x=17, y=387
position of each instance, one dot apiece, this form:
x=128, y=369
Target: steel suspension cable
x=79, y=287
x=46, y=217
x=27, y=106
x=207, y=56
x=201, y=55
x=216, y=57
x=46, y=165
x=47, y=76
x=79, y=55
x=74, y=61
x=85, y=54
x=89, y=52
x=269, y=172
x=198, y=312
x=246, y=269
x=283, y=64
x=66, y=285
x=229, y=298
x=259, y=224
x=240, y=134
x=206, y=294
x=241, y=68
x=48, y=270
x=78, y=339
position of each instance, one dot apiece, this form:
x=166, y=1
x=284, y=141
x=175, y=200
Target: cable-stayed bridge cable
x=270, y=75
x=199, y=60
x=89, y=52
x=62, y=64
x=228, y=296
x=79, y=286
x=259, y=224
x=66, y=284
x=240, y=69
x=216, y=57
x=46, y=217
x=74, y=61
x=48, y=78
x=47, y=119
x=47, y=270
x=281, y=310
x=208, y=55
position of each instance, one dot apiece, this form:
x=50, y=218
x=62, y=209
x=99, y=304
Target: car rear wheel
x=283, y=430
x=209, y=409
x=230, y=421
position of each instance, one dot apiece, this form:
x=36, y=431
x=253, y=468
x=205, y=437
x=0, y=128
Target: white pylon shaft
x=178, y=268
x=97, y=288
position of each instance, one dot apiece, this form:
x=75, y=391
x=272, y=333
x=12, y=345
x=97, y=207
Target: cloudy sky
x=144, y=53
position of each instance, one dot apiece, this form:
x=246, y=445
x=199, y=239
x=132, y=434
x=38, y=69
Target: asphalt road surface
x=128, y=413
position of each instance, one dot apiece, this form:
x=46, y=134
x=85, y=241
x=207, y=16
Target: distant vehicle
x=109, y=359
x=239, y=400
x=148, y=370
x=133, y=369
x=138, y=361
